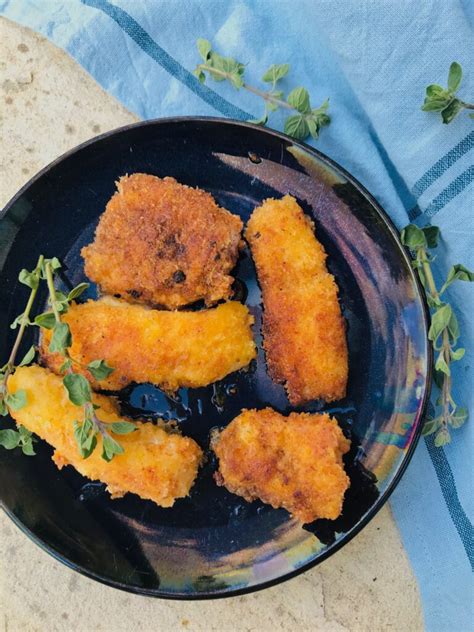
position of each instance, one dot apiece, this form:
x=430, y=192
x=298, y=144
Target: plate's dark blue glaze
x=214, y=543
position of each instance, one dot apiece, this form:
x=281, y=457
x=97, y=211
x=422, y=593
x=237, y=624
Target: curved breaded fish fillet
x=293, y=462
x=303, y=329
x=169, y=349
x=155, y=465
x=163, y=243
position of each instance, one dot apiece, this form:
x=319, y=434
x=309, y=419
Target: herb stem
x=445, y=343
x=89, y=413
x=428, y=273
x=23, y=325
x=267, y=96
x=52, y=291
x=88, y=407
x=468, y=106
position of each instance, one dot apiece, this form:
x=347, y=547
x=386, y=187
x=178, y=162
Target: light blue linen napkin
x=373, y=59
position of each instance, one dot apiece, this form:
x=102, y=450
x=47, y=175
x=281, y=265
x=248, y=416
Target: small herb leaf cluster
x=305, y=119
x=444, y=100
x=21, y=437
x=444, y=330
x=77, y=386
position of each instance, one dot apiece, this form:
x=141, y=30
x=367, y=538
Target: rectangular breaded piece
x=293, y=462
x=168, y=349
x=303, y=328
x=163, y=243
x=156, y=465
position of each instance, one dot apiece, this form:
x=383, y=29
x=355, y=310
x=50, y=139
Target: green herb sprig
x=444, y=100
x=77, y=387
x=444, y=329
x=22, y=437
x=304, y=121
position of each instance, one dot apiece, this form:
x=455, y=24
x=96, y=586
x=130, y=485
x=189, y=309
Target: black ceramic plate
x=213, y=543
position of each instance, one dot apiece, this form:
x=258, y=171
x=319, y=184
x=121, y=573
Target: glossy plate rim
x=382, y=499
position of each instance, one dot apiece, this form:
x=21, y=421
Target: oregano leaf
x=430, y=426
x=29, y=279
x=453, y=327
x=442, y=438
x=313, y=127
x=200, y=75
x=413, y=237
x=77, y=291
x=458, y=418
x=275, y=73
x=454, y=76
x=9, y=439
x=28, y=357
x=441, y=365
x=122, y=427
x=458, y=354
x=451, y=111
x=61, y=338
x=432, y=235
x=457, y=272
x=99, y=369
x=16, y=400
x=439, y=321
x=299, y=99
x=297, y=127
x=434, y=90
x=46, y=320
x=204, y=47
x=110, y=448
x=78, y=388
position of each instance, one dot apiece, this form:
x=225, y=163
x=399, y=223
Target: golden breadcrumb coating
x=163, y=243
x=156, y=465
x=293, y=462
x=303, y=329
x=169, y=349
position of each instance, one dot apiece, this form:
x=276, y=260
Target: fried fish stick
x=163, y=243
x=303, y=329
x=293, y=462
x=168, y=349
x=156, y=465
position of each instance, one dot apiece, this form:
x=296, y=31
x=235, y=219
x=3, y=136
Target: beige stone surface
x=48, y=104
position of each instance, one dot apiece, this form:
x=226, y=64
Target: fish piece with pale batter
x=168, y=349
x=293, y=462
x=163, y=243
x=303, y=328
x=155, y=464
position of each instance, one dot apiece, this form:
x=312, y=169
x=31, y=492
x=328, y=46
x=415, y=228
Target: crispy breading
x=303, y=328
x=155, y=465
x=293, y=462
x=169, y=349
x=163, y=243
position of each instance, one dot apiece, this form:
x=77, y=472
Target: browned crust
x=156, y=465
x=303, y=328
x=169, y=349
x=163, y=243
x=293, y=462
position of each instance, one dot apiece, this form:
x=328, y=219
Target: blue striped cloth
x=373, y=60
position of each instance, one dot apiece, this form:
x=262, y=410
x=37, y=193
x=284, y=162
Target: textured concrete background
x=48, y=104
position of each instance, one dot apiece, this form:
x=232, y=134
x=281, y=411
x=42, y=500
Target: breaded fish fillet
x=293, y=462
x=163, y=243
x=155, y=465
x=303, y=329
x=169, y=349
